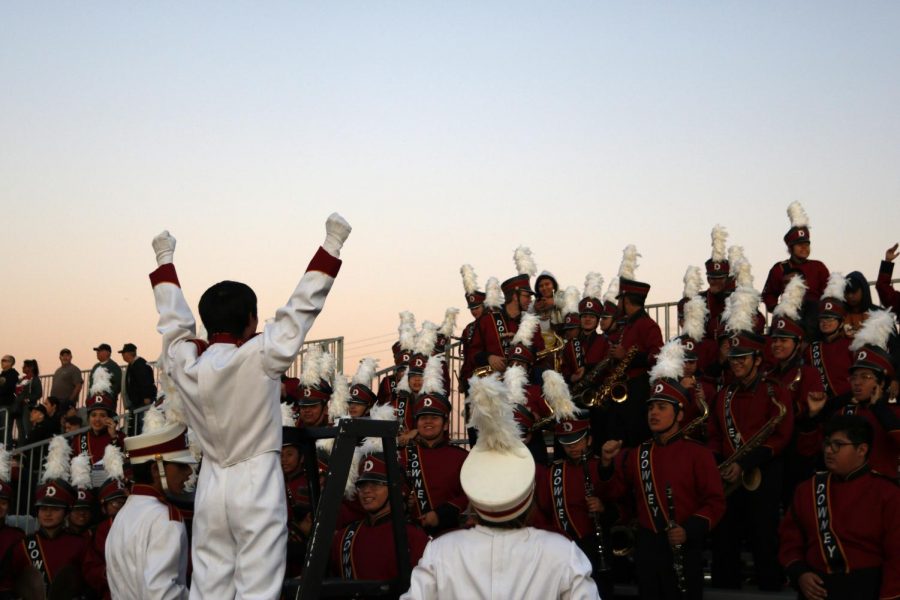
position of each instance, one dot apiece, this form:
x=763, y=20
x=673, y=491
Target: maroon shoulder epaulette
x=201, y=345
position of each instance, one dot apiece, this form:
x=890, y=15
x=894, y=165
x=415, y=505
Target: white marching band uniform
x=488, y=562
x=232, y=402
x=147, y=552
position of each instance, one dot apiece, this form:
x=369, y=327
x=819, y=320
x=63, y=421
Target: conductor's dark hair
x=143, y=473
x=858, y=429
x=636, y=299
x=227, y=307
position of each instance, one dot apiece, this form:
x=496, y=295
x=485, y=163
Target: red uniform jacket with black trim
x=96, y=443
x=372, y=549
x=798, y=389
x=487, y=340
x=594, y=348
x=439, y=471
x=10, y=538
x=836, y=358
x=641, y=331
x=814, y=272
x=64, y=550
x=887, y=295
x=571, y=496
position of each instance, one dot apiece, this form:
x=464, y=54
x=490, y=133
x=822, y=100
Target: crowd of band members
x=836, y=444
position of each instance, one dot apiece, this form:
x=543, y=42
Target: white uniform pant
x=239, y=530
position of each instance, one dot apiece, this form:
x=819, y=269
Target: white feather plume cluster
x=365, y=372
x=593, y=285
x=693, y=281
x=493, y=295
x=287, y=416
x=735, y=255
x=669, y=361
x=558, y=395
x=5, y=465
x=612, y=291
x=740, y=267
x=81, y=471
x=426, y=338
x=469, y=279
x=570, y=297
x=515, y=379
x=114, y=462
x=836, y=286
x=695, y=314
x=403, y=384
x=876, y=330
x=629, y=262
x=492, y=414
x=791, y=298
x=311, y=367
x=154, y=420
x=407, y=333
x=719, y=237
x=528, y=326
x=190, y=484
x=56, y=466
x=338, y=404
x=797, y=214
x=740, y=310
x=433, y=375
x=448, y=327
x=407, y=319
x=101, y=382
x=173, y=404
x=383, y=412
x=524, y=261
x=329, y=366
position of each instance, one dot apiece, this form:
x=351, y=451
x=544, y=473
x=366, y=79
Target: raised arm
x=176, y=322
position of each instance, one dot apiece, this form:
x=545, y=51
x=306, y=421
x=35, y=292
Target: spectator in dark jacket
x=140, y=390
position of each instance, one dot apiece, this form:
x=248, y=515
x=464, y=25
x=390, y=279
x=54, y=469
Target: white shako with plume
x=498, y=474
x=493, y=299
x=161, y=440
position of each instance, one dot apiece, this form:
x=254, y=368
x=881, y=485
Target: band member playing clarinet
x=668, y=460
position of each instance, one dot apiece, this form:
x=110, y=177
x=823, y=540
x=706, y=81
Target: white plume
x=338, y=404
x=173, y=405
x=876, y=330
x=570, y=300
x=365, y=372
x=287, y=416
x=735, y=256
x=154, y=420
x=524, y=261
x=101, y=382
x=469, y=279
x=693, y=281
x=492, y=414
x=433, y=375
x=740, y=310
x=695, y=314
x=56, y=465
x=383, y=412
x=81, y=471
x=629, y=262
x=426, y=338
x=836, y=286
x=527, y=327
x=559, y=299
x=5, y=465
x=449, y=324
x=719, y=237
x=493, y=294
x=311, y=366
x=403, y=384
x=407, y=337
x=593, y=285
x=190, y=484
x=329, y=366
x=797, y=215
x=114, y=462
x=791, y=299
x=558, y=396
x=194, y=447
x=612, y=291
x=669, y=361
x=407, y=319
x=515, y=379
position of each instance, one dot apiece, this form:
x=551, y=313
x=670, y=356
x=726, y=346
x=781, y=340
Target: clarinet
x=604, y=566
x=678, y=549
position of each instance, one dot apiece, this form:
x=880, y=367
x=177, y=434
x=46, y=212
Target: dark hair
x=30, y=362
x=858, y=429
x=635, y=299
x=53, y=400
x=74, y=420
x=227, y=307
x=143, y=473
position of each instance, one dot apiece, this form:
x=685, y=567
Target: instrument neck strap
x=347, y=570
x=37, y=557
x=829, y=544
x=648, y=486
x=818, y=361
x=417, y=477
x=734, y=436
x=558, y=491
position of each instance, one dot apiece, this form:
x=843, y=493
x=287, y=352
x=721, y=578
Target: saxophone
x=613, y=387
x=603, y=562
x=751, y=479
x=590, y=379
x=704, y=407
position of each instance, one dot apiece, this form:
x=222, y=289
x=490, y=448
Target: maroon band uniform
x=435, y=482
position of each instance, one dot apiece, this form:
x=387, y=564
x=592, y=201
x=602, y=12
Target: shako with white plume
x=799, y=231
x=666, y=375
x=718, y=263
x=832, y=303
x=474, y=297
x=786, y=318
x=627, y=282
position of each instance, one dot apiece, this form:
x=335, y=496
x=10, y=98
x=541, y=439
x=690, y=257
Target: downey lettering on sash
x=829, y=545
x=347, y=550
x=414, y=470
x=648, y=486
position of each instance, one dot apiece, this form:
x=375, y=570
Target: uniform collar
x=859, y=472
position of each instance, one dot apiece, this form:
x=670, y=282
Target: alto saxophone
x=704, y=407
x=751, y=479
x=613, y=386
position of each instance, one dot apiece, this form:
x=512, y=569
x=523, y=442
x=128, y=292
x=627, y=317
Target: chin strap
x=160, y=468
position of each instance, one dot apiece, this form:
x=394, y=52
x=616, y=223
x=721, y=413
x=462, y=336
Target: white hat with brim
x=499, y=484
x=170, y=443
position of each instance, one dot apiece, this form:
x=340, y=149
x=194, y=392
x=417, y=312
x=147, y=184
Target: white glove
x=337, y=229
x=164, y=246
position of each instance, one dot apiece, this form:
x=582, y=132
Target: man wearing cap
x=432, y=467
x=364, y=549
x=140, y=389
x=104, y=351
x=147, y=546
x=500, y=556
x=841, y=536
x=67, y=379
x=230, y=385
x=668, y=465
x=561, y=496
x=740, y=411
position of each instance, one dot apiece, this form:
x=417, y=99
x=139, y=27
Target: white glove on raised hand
x=164, y=246
x=337, y=229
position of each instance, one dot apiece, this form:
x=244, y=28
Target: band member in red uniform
x=365, y=549
x=589, y=347
x=814, y=272
x=841, y=536
x=10, y=537
x=870, y=376
x=112, y=496
x=829, y=353
x=475, y=304
x=889, y=297
x=101, y=408
x=362, y=398
x=717, y=276
x=743, y=411
x=432, y=467
x=668, y=546
x=402, y=351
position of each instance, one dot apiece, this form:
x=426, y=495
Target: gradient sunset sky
x=446, y=133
